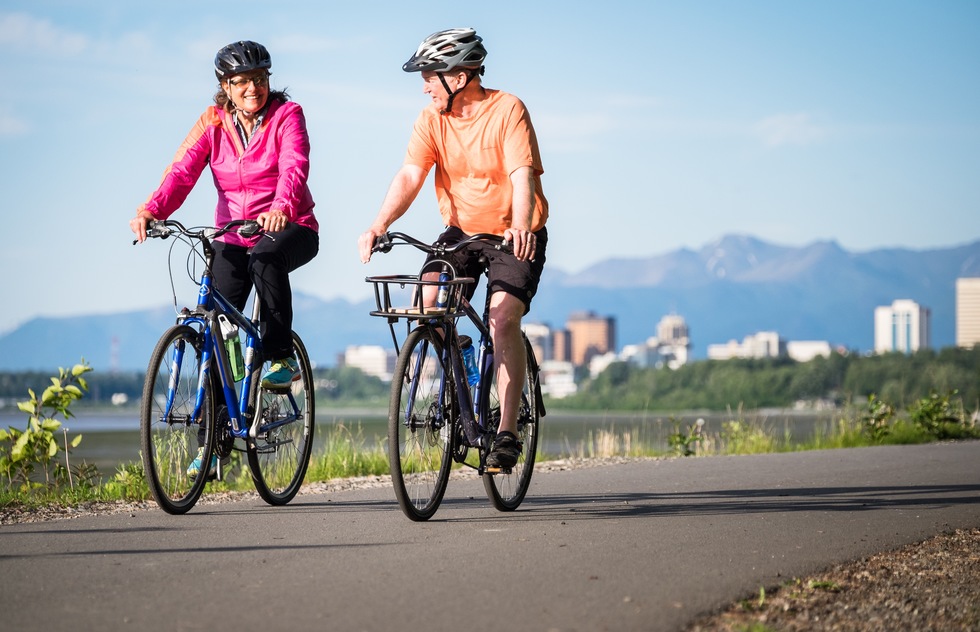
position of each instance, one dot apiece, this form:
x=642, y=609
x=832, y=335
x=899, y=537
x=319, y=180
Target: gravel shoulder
x=930, y=585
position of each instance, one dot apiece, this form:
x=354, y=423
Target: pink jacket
x=271, y=173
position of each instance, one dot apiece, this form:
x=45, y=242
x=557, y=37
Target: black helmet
x=445, y=50
x=239, y=57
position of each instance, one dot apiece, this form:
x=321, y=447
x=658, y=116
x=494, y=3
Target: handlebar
x=166, y=227
x=386, y=242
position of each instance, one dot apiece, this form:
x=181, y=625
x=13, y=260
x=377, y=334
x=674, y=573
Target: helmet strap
x=452, y=95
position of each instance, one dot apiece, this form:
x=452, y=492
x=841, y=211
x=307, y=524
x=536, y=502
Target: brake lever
x=249, y=229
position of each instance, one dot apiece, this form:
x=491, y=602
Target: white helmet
x=449, y=49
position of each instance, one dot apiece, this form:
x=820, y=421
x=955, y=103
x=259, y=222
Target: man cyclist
x=487, y=180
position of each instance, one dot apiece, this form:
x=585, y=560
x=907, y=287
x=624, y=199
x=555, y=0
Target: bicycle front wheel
x=281, y=437
x=420, y=414
x=507, y=491
x=176, y=416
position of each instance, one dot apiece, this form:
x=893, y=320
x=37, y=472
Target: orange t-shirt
x=474, y=158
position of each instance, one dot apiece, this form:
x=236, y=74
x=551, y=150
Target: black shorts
x=506, y=274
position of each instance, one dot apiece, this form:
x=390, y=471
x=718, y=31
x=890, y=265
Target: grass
x=347, y=451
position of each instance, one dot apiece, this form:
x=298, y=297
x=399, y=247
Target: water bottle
x=469, y=361
x=443, y=296
x=229, y=333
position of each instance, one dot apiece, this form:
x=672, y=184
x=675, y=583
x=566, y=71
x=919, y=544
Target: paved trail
x=646, y=545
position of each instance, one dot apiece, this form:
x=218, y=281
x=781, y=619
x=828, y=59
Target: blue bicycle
x=192, y=408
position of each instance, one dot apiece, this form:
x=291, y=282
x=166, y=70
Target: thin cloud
x=12, y=126
x=634, y=101
x=572, y=132
x=789, y=129
x=25, y=33
x=300, y=43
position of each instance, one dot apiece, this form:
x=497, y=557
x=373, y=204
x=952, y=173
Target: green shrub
x=36, y=460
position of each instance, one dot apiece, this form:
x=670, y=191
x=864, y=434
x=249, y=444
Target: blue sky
x=662, y=125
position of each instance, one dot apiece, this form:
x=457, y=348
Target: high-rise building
x=968, y=312
x=561, y=346
x=591, y=335
x=673, y=340
x=902, y=327
x=672, y=329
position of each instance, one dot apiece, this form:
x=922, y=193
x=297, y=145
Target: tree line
x=839, y=379
x=336, y=384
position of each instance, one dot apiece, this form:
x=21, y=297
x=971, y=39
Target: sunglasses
x=260, y=81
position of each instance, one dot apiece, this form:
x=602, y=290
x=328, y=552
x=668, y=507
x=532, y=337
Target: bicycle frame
x=210, y=303
x=471, y=404
x=475, y=432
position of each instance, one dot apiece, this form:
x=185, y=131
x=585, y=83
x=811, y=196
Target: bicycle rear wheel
x=507, y=491
x=420, y=414
x=281, y=438
x=176, y=416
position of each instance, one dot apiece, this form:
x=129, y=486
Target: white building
x=671, y=347
x=599, y=363
x=557, y=378
x=901, y=327
x=806, y=350
x=539, y=335
x=643, y=355
x=372, y=359
x=968, y=312
x=764, y=344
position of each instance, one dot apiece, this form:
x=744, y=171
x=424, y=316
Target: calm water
x=111, y=438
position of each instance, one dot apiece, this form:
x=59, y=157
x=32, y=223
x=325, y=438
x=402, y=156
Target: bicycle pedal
x=498, y=470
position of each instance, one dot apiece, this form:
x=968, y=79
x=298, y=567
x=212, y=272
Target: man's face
x=432, y=86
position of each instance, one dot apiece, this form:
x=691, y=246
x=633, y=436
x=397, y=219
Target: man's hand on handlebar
x=367, y=241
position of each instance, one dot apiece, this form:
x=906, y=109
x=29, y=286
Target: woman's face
x=248, y=91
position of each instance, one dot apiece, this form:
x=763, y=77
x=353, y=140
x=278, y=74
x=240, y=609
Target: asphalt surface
x=645, y=545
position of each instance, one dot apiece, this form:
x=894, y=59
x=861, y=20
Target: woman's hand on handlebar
x=138, y=225
x=272, y=221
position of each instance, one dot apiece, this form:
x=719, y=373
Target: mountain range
x=726, y=290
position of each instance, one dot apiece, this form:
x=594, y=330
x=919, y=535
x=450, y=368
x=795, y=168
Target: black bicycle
x=434, y=416
x=190, y=401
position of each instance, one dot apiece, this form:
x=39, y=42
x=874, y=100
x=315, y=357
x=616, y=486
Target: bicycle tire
x=170, y=429
x=421, y=411
x=281, y=445
x=507, y=491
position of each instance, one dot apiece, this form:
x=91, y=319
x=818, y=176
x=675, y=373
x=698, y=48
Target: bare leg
x=510, y=356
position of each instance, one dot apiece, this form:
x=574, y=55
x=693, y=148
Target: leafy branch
x=29, y=458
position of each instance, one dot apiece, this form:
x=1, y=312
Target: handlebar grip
x=382, y=243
